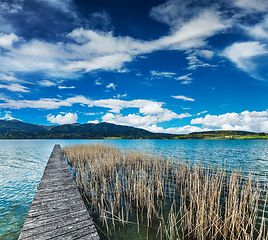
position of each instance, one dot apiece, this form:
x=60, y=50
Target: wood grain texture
x=58, y=211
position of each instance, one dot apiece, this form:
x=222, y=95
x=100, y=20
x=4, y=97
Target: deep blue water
x=22, y=163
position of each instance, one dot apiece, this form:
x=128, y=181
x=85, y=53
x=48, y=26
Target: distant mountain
x=17, y=129
x=16, y=126
x=100, y=130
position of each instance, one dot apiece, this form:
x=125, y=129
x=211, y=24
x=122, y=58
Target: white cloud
x=162, y=74
x=98, y=81
x=195, y=62
x=111, y=62
x=46, y=83
x=201, y=113
x=6, y=40
x=63, y=87
x=9, y=77
x=150, y=112
x=95, y=122
x=260, y=30
x=176, y=130
x=15, y=87
x=94, y=113
x=183, y=98
x=152, y=108
x=44, y=103
x=7, y=117
x=243, y=54
x=115, y=105
x=205, y=53
x=67, y=119
x=247, y=121
x=249, y=5
x=11, y=8
x=144, y=122
x=91, y=50
x=120, y=96
x=111, y=85
x=185, y=79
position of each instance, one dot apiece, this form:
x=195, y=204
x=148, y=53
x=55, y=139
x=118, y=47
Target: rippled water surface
x=22, y=163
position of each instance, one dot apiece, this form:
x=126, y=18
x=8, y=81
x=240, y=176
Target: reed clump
x=167, y=197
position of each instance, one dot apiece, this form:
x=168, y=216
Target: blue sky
x=165, y=66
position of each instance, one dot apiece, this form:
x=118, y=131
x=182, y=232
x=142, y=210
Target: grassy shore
x=162, y=198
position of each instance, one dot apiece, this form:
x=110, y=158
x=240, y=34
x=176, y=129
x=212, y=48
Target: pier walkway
x=58, y=211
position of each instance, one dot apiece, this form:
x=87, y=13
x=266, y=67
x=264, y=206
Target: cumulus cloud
x=59, y=119
x=142, y=121
x=176, y=130
x=115, y=105
x=6, y=40
x=152, y=108
x=246, y=121
x=183, y=98
x=243, y=54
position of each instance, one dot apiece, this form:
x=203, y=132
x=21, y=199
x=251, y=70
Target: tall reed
x=168, y=197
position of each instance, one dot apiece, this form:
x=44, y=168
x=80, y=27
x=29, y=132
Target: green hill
x=15, y=129
x=100, y=130
x=15, y=126
x=223, y=134
x=18, y=130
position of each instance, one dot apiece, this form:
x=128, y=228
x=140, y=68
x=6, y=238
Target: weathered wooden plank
x=65, y=232
x=55, y=226
x=44, y=220
x=58, y=211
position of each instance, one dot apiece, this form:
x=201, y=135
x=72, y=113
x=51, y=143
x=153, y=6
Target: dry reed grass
x=134, y=188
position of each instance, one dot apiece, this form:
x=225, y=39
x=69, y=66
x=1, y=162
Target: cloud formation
x=86, y=50
x=14, y=87
x=111, y=85
x=243, y=54
x=183, y=98
x=59, y=119
x=143, y=121
x=6, y=40
x=245, y=121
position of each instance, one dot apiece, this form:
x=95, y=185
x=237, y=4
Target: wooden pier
x=58, y=211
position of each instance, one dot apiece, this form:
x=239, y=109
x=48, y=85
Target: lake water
x=22, y=163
